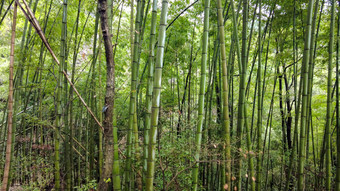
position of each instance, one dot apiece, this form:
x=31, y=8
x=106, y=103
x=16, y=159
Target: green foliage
x=90, y=185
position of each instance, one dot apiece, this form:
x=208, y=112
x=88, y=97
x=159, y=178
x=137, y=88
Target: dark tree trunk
x=109, y=97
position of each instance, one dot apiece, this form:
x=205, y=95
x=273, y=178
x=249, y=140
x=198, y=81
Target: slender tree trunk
x=109, y=98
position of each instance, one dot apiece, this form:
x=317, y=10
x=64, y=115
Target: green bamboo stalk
x=71, y=115
x=149, y=88
x=329, y=100
x=235, y=34
x=297, y=104
x=58, y=121
x=109, y=14
x=259, y=109
x=116, y=163
x=241, y=104
x=115, y=168
x=303, y=87
x=132, y=105
x=226, y=121
x=92, y=97
x=100, y=105
x=156, y=96
x=64, y=106
x=251, y=175
x=198, y=137
x=131, y=28
x=337, y=179
x=310, y=79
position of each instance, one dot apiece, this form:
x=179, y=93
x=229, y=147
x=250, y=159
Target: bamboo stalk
x=5, y=181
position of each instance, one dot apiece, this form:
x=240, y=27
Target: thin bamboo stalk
x=5, y=181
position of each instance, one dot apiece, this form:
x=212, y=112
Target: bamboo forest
x=169, y=95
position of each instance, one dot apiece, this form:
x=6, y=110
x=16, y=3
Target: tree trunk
x=109, y=98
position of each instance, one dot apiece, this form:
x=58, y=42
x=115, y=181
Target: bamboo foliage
x=201, y=126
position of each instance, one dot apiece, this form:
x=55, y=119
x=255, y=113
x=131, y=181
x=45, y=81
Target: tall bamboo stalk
x=226, y=122
x=75, y=53
x=259, y=108
x=115, y=167
x=329, y=100
x=156, y=96
x=64, y=107
x=235, y=34
x=337, y=180
x=132, y=105
x=198, y=136
x=5, y=181
x=241, y=104
x=303, y=87
x=58, y=106
x=149, y=88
